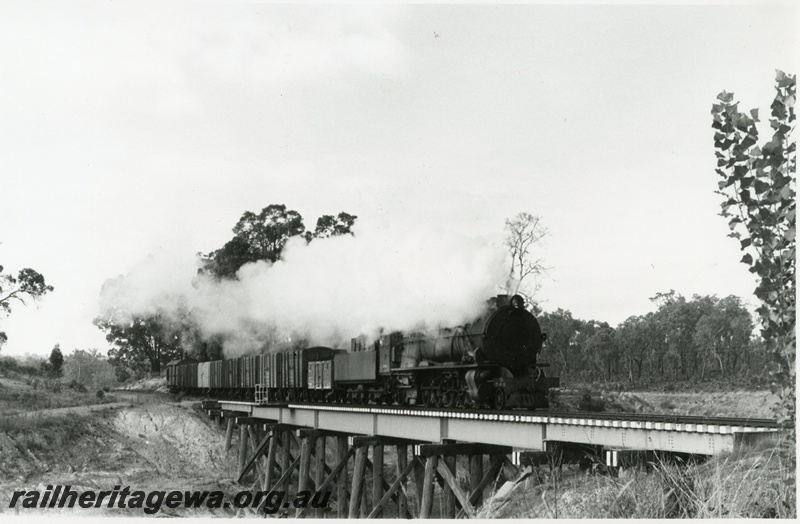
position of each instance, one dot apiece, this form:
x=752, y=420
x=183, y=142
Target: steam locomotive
x=489, y=363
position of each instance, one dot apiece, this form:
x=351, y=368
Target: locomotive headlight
x=517, y=302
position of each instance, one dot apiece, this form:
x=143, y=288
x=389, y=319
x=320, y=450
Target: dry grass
x=754, y=404
x=18, y=397
x=755, y=483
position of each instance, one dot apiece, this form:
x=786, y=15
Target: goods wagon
x=204, y=375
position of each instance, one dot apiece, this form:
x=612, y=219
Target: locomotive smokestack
x=501, y=300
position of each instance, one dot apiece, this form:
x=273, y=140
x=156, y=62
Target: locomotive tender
x=490, y=363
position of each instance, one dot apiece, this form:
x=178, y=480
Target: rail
x=517, y=429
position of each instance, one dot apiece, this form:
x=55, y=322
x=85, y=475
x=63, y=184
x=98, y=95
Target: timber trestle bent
x=449, y=458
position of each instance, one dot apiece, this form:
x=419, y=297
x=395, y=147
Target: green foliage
x=329, y=226
x=28, y=284
x=561, y=349
x=758, y=190
x=31, y=366
x=56, y=361
x=262, y=236
x=141, y=344
x=723, y=331
x=700, y=339
x=256, y=237
x=89, y=367
x=77, y=386
x=589, y=403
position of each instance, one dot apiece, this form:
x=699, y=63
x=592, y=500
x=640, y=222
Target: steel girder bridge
x=343, y=449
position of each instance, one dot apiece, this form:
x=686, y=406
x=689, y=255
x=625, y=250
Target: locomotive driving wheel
x=441, y=392
x=450, y=393
x=500, y=398
x=426, y=390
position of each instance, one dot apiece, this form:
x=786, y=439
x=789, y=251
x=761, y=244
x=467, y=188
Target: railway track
x=551, y=416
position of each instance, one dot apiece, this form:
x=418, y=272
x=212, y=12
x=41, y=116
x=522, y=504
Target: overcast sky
x=129, y=128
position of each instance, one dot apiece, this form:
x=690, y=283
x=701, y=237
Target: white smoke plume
x=324, y=292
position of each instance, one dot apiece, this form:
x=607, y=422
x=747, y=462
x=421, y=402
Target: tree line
x=684, y=340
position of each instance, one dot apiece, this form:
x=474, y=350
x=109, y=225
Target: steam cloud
x=325, y=292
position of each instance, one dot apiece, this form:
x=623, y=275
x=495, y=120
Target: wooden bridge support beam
x=265, y=448
x=419, y=483
x=313, y=444
x=343, y=454
x=495, y=466
x=249, y=432
x=285, y=452
x=360, y=504
x=397, y=485
x=441, y=466
x=402, y=474
x=307, y=443
x=426, y=505
x=253, y=435
x=242, y=450
x=269, y=468
x=449, y=498
x=319, y=469
x=475, y=476
x=335, y=475
x=229, y=433
x=356, y=492
x=377, y=474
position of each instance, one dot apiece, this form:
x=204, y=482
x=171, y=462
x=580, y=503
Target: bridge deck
x=520, y=431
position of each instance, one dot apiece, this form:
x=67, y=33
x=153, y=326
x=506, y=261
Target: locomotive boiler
x=491, y=362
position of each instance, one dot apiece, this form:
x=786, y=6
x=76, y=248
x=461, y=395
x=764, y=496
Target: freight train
x=490, y=363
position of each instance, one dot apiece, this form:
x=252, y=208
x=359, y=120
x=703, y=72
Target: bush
x=554, y=396
x=30, y=367
x=77, y=386
x=100, y=393
x=588, y=403
x=106, y=389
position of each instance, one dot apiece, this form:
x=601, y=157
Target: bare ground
x=148, y=445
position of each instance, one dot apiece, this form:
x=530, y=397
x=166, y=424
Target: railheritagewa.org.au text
x=151, y=502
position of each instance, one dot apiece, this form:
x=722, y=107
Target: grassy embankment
x=693, y=402
x=148, y=442
x=754, y=482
